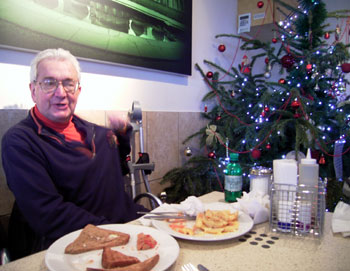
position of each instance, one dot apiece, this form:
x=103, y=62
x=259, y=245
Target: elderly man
x=64, y=172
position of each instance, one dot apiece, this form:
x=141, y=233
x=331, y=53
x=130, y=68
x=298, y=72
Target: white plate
x=245, y=225
x=167, y=248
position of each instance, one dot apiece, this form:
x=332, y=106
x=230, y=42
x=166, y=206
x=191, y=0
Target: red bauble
x=209, y=74
x=267, y=60
x=205, y=108
x=295, y=104
x=263, y=114
x=218, y=117
x=282, y=81
x=287, y=61
x=268, y=146
x=345, y=67
x=326, y=35
x=256, y=154
x=222, y=48
x=274, y=40
x=308, y=67
x=266, y=109
x=260, y=4
x=212, y=155
x=322, y=160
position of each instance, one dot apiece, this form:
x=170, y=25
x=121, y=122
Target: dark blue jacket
x=61, y=186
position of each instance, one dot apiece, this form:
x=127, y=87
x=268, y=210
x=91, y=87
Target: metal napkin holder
x=298, y=210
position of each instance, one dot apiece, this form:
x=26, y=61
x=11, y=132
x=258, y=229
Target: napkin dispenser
x=295, y=209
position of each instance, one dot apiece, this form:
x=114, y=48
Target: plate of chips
x=220, y=221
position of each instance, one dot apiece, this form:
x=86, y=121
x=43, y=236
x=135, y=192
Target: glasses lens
x=69, y=85
x=49, y=84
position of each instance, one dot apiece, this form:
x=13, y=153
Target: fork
x=189, y=267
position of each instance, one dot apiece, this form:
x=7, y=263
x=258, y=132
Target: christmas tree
x=262, y=118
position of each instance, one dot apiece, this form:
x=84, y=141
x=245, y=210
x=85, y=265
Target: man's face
x=59, y=105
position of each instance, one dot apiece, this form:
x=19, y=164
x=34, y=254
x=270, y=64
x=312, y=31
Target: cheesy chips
x=211, y=221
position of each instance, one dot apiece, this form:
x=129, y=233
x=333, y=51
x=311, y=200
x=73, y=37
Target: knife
x=202, y=268
x=159, y=213
x=161, y=217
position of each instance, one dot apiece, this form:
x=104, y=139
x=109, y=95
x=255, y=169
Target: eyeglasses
x=49, y=85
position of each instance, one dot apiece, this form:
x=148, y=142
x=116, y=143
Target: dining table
x=258, y=249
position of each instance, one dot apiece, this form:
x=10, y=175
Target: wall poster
x=152, y=34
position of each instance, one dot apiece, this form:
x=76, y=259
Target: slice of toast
x=92, y=238
x=112, y=258
x=146, y=265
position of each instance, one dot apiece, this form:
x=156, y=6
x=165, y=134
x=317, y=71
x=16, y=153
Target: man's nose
x=60, y=91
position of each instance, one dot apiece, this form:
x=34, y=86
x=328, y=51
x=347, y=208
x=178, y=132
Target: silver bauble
x=267, y=75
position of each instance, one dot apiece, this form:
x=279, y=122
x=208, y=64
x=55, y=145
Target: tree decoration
x=260, y=4
x=317, y=88
x=345, y=67
x=210, y=74
x=205, y=108
x=256, y=154
x=222, y=48
x=267, y=75
x=274, y=40
x=327, y=35
x=218, y=117
x=188, y=151
x=322, y=160
x=268, y=146
x=266, y=109
x=267, y=60
x=308, y=67
x=233, y=94
x=295, y=104
x=287, y=61
x=337, y=32
x=245, y=65
x=282, y=81
x=212, y=155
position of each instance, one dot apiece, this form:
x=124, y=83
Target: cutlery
x=189, y=267
x=161, y=217
x=160, y=213
x=202, y=268
x=167, y=215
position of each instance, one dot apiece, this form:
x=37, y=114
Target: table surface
x=332, y=252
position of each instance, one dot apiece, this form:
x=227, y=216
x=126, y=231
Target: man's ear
x=32, y=91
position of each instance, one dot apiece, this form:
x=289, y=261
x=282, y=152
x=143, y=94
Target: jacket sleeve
x=41, y=204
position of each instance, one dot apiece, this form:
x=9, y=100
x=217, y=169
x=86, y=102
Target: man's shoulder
x=20, y=128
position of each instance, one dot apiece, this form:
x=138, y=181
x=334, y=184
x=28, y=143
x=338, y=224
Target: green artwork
x=154, y=34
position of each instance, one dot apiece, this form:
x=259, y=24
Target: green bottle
x=233, y=179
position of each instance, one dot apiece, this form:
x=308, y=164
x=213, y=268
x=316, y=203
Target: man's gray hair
x=52, y=54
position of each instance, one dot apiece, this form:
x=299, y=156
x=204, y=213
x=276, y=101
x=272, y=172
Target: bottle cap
x=234, y=156
x=308, y=160
x=260, y=171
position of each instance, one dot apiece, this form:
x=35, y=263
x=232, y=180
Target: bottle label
x=233, y=183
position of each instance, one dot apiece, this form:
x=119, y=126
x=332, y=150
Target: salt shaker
x=260, y=179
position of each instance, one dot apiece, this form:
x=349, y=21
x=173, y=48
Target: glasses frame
x=58, y=82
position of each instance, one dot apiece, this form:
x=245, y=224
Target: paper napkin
x=255, y=204
x=341, y=219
